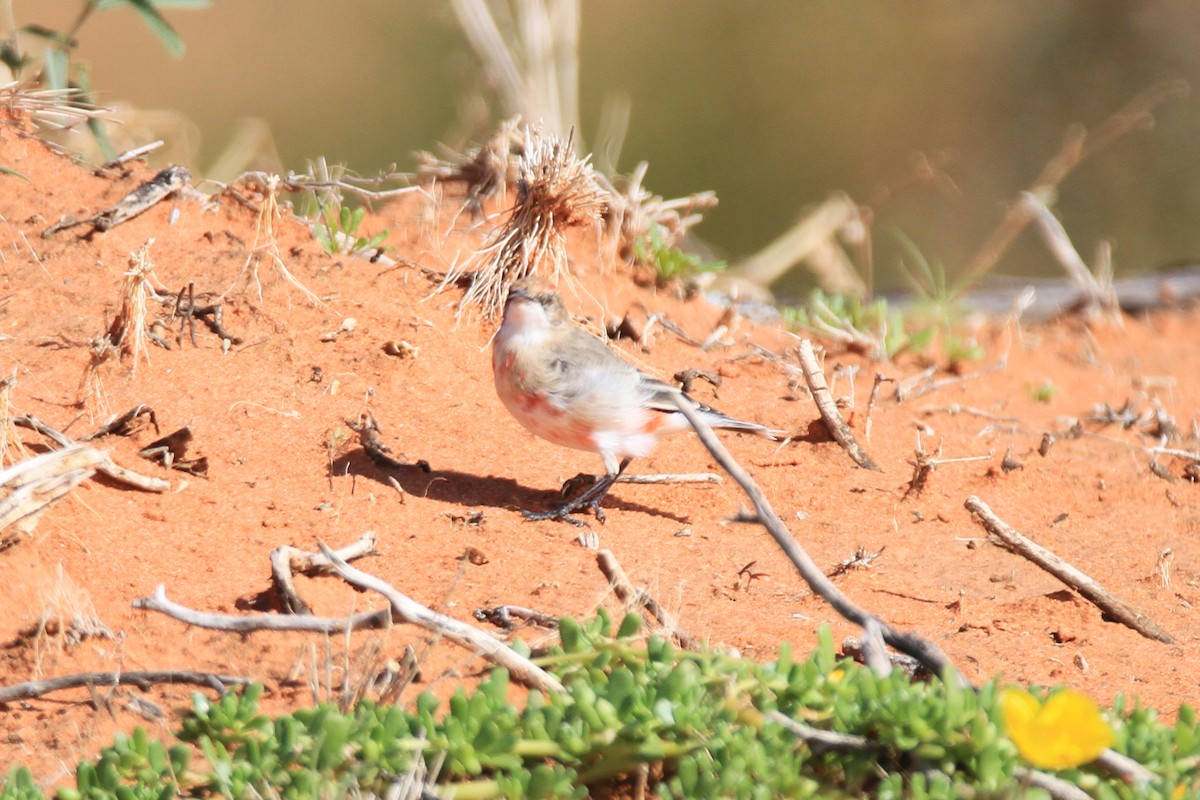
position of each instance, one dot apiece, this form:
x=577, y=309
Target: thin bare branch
x=830, y=415
x=142, y=680
x=405, y=609
x=236, y=623
x=920, y=648
x=1015, y=542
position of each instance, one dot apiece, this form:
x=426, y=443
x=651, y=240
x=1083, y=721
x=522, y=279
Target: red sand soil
x=285, y=469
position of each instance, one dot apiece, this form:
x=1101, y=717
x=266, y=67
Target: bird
x=567, y=386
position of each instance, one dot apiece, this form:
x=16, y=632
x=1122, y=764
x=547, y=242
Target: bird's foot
x=563, y=513
x=589, y=500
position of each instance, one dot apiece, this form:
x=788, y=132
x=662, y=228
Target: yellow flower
x=1065, y=731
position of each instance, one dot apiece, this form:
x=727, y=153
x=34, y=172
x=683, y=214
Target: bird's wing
x=662, y=398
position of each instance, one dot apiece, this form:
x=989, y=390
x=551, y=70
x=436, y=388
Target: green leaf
x=54, y=67
x=12, y=58
x=159, y=26
x=7, y=171
x=187, y=4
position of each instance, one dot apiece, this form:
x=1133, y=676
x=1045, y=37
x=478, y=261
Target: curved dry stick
x=142, y=680
x=1017, y=543
x=237, y=623
x=405, y=609
x=920, y=648
x=832, y=418
x=287, y=560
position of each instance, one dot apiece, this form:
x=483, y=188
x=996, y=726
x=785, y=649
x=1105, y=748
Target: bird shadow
x=472, y=490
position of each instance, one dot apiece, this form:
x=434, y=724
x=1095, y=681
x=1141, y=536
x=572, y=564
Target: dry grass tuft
x=68, y=617
x=127, y=332
x=487, y=170
x=12, y=449
x=556, y=190
x=54, y=109
x=265, y=244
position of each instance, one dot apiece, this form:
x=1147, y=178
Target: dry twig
x=408, y=610
x=633, y=596
x=830, y=415
x=142, y=680
x=287, y=560
x=1078, y=144
x=1015, y=542
x=107, y=466
x=920, y=648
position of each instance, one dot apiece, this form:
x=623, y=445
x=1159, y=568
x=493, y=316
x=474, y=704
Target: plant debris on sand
x=1116, y=494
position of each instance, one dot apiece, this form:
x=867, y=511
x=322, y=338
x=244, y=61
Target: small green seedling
x=669, y=262
x=337, y=231
x=1044, y=392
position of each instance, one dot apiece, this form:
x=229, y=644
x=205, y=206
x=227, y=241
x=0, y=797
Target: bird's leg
x=589, y=499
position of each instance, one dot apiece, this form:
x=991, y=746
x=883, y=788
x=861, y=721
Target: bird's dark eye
x=546, y=300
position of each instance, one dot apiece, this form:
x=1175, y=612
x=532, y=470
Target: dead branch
x=405, y=609
x=1058, y=788
x=634, y=596
x=125, y=424
x=820, y=740
x=920, y=648
x=287, y=560
x=830, y=415
x=1016, y=543
x=236, y=623
x=1078, y=144
x=142, y=680
x=511, y=617
x=36, y=482
x=106, y=467
x=143, y=198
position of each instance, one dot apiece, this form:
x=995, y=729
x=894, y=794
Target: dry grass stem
x=487, y=170
x=530, y=56
x=68, y=617
x=265, y=243
x=127, y=332
x=9, y=440
x=90, y=394
x=57, y=109
x=1098, y=294
x=634, y=211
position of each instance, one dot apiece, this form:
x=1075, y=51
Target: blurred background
x=773, y=105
